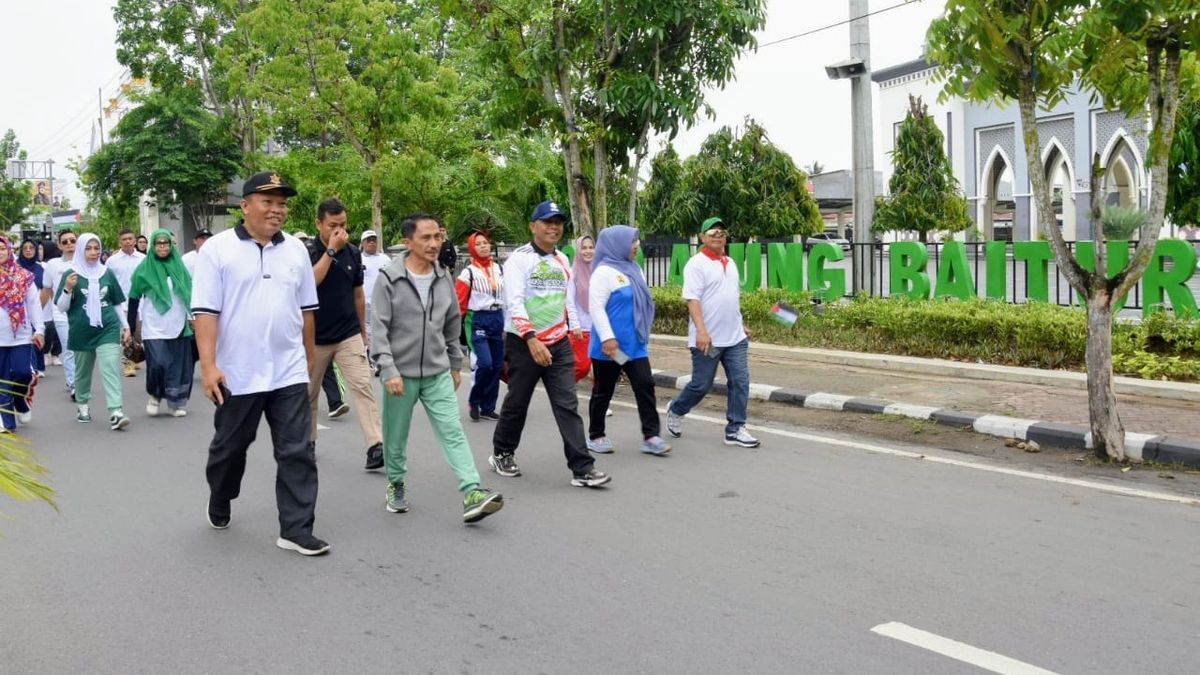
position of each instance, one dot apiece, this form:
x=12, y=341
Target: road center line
x=956, y=650
x=949, y=461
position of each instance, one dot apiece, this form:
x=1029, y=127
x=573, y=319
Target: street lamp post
x=858, y=70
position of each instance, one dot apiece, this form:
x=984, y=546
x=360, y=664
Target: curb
x=1138, y=447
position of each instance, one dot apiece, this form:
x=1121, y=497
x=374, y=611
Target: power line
x=86, y=111
x=835, y=25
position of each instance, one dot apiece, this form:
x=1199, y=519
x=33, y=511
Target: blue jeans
x=487, y=341
x=735, y=360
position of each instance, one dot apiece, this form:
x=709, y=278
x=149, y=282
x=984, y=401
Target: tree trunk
x=1108, y=434
x=600, y=184
x=577, y=186
x=635, y=169
x=376, y=205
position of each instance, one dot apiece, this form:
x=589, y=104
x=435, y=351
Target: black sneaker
x=304, y=544
x=492, y=416
x=218, y=513
x=338, y=410
x=593, y=478
x=473, y=412
x=374, y=457
x=505, y=465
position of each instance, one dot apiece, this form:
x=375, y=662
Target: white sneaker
x=152, y=406
x=742, y=438
x=25, y=417
x=179, y=412
x=674, y=422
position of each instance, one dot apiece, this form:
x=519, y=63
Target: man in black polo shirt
x=342, y=324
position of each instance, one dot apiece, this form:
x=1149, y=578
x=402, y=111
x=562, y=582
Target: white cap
x=302, y=235
x=367, y=234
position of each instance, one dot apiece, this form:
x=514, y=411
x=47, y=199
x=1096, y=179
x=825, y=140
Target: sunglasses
x=68, y=241
x=717, y=232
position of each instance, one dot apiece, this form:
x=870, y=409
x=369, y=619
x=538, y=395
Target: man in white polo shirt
x=373, y=260
x=254, y=297
x=123, y=263
x=716, y=335
x=189, y=258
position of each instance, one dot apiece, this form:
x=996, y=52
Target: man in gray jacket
x=420, y=360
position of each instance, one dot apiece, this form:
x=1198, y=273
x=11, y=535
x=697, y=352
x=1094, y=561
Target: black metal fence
x=658, y=268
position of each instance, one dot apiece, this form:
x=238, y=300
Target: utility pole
x=863, y=144
x=100, y=117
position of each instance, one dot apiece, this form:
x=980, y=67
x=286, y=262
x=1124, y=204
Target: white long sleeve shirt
x=33, y=322
x=535, y=293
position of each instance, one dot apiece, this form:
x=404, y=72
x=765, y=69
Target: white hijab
x=92, y=272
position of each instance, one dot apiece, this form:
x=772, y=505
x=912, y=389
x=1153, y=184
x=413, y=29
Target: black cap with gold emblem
x=267, y=181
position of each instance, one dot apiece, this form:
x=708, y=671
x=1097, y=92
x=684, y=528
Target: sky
x=62, y=53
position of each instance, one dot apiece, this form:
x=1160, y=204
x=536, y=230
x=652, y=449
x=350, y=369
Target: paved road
x=780, y=559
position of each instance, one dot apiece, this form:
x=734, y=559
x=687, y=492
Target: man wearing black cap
x=537, y=349
x=254, y=296
x=189, y=258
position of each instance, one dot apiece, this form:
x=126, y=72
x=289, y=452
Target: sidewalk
x=1153, y=409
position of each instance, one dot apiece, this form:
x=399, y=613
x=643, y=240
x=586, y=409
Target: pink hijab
x=583, y=274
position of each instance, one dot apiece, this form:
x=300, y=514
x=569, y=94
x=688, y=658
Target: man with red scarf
x=716, y=335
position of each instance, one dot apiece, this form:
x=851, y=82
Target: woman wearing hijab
x=20, y=338
x=28, y=260
x=622, y=313
x=480, y=289
x=142, y=245
x=577, y=296
x=166, y=325
x=89, y=296
x=54, y=347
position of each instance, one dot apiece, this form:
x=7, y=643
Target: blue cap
x=546, y=211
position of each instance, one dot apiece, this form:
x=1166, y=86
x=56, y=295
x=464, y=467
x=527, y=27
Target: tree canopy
x=924, y=194
x=742, y=177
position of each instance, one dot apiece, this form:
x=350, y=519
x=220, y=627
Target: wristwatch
x=331, y=253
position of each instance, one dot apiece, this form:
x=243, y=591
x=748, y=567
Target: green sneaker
x=481, y=503
x=396, y=503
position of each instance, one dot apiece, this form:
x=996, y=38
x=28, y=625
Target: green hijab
x=150, y=277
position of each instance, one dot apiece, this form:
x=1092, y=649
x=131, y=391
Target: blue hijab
x=612, y=249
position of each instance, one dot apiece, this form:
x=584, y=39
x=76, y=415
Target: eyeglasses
x=716, y=232
x=67, y=241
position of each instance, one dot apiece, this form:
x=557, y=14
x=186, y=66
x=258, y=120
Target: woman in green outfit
x=90, y=295
x=166, y=326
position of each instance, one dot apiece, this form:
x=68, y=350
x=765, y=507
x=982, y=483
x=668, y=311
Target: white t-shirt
x=122, y=267
x=51, y=278
x=715, y=284
x=33, y=322
x=422, y=282
x=166, y=326
x=585, y=319
x=189, y=261
x=259, y=295
x=371, y=266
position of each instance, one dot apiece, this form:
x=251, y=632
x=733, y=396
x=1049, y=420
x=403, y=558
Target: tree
x=814, y=168
x=745, y=179
x=924, y=194
x=362, y=71
x=601, y=75
x=1183, y=195
x=195, y=45
x=14, y=194
x=1034, y=52
x=172, y=149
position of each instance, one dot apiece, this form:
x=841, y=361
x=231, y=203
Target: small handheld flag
x=784, y=314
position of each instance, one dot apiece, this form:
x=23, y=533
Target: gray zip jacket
x=408, y=339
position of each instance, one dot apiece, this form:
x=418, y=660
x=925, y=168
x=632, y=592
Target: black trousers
x=559, y=379
x=236, y=423
x=333, y=393
x=640, y=379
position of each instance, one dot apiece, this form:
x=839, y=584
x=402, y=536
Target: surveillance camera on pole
x=857, y=69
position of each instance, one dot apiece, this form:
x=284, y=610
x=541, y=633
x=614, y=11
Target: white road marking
x=949, y=461
x=1005, y=427
x=958, y=651
x=322, y=427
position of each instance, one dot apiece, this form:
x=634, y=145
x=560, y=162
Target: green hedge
x=1036, y=335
